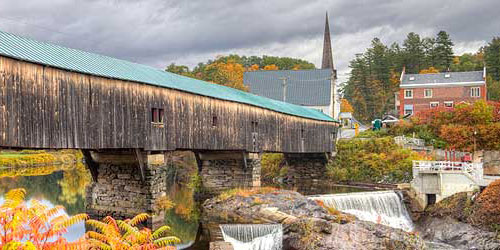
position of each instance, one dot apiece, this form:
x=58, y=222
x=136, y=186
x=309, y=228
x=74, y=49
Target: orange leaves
x=271, y=67
x=345, y=106
x=123, y=234
x=42, y=227
x=430, y=70
x=227, y=73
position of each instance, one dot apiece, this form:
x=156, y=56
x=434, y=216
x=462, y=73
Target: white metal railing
x=475, y=170
x=403, y=140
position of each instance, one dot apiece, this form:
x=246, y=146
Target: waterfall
x=384, y=207
x=253, y=236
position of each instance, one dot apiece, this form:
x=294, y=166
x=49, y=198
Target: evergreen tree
x=413, y=53
x=443, y=52
x=492, y=58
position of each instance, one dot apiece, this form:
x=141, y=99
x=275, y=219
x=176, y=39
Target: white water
x=253, y=236
x=383, y=207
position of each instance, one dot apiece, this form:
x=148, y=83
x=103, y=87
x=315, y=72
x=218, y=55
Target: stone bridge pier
x=228, y=169
x=306, y=171
x=125, y=183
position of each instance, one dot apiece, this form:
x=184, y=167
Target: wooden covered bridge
x=122, y=114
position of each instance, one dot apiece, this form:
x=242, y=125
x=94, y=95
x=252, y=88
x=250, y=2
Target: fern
x=139, y=219
x=166, y=241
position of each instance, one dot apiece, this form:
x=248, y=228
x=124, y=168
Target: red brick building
x=419, y=92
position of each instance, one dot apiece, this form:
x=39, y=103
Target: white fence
x=474, y=170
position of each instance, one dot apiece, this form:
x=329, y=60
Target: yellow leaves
x=271, y=67
x=165, y=241
x=254, y=67
x=138, y=219
x=13, y=198
x=119, y=234
x=227, y=73
x=430, y=70
x=345, y=106
x=35, y=223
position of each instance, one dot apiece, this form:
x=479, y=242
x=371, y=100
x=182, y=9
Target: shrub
x=271, y=165
x=372, y=160
x=245, y=192
x=35, y=226
x=486, y=208
x=119, y=234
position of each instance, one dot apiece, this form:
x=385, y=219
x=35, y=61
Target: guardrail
x=475, y=170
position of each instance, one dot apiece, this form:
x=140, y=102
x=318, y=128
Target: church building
x=311, y=88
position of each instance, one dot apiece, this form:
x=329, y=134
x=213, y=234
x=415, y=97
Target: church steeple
x=327, y=62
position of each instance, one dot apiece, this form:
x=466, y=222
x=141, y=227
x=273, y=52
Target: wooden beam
x=199, y=162
x=91, y=164
x=138, y=155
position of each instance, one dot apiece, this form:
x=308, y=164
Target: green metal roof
x=80, y=61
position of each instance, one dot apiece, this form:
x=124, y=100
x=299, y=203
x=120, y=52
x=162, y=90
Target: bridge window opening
x=254, y=127
x=214, y=121
x=302, y=133
x=157, y=115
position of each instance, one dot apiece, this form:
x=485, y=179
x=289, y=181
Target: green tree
x=414, y=54
x=492, y=58
x=443, y=52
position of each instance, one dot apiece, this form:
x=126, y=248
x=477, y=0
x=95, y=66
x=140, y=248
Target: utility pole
x=285, y=79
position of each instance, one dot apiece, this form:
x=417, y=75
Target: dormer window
x=447, y=75
x=412, y=78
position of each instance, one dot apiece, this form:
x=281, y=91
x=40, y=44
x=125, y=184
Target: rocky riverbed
x=306, y=223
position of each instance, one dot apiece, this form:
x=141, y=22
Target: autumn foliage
x=459, y=127
x=486, y=209
x=125, y=234
x=345, y=106
x=33, y=225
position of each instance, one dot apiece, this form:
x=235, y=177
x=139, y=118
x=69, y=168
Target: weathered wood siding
x=44, y=107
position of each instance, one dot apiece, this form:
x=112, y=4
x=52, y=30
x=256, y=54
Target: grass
x=38, y=157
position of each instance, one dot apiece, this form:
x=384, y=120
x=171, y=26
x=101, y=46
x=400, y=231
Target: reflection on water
x=52, y=185
x=65, y=185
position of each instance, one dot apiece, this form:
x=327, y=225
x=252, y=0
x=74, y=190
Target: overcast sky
x=159, y=32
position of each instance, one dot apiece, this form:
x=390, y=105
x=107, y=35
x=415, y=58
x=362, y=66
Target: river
x=65, y=185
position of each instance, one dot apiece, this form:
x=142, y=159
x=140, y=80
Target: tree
x=179, y=69
x=492, y=58
x=430, y=70
x=443, y=51
x=228, y=74
x=271, y=67
x=345, y=106
x=413, y=53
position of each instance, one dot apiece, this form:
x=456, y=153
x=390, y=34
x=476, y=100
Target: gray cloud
x=158, y=32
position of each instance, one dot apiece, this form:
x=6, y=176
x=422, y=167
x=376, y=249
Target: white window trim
x=451, y=102
x=425, y=96
x=472, y=91
x=408, y=97
x=430, y=104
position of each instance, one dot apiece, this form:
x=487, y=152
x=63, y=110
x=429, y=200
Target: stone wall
x=307, y=170
x=225, y=170
x=120, y=190
x=491, y=161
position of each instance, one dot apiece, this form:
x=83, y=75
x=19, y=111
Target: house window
x=408, y=93
x=157, y=115
x=448, y=104
x=427, y=93
x=434, y=104
x=214, y=121
x=475, y=92
x=408, y=110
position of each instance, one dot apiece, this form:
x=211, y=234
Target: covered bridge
x=53, y=97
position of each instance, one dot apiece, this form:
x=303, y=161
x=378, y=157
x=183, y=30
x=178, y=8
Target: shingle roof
x=454, y=77
x=304, y=87
x=84, y=62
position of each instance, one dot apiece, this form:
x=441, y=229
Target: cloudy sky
x=159, y=32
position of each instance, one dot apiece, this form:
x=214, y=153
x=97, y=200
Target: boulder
x=306, y=224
